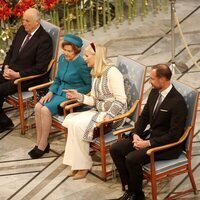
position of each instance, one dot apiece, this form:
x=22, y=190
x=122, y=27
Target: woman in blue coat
x=72, y=73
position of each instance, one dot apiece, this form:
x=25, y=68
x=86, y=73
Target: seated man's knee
x=115, y=148
x=135, y=158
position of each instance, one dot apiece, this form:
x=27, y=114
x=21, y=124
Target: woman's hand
x=71, y=94
x=46, y=98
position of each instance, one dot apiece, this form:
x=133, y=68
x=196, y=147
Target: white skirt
x=76, y=149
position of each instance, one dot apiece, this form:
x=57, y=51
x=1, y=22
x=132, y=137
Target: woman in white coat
x=108, y=99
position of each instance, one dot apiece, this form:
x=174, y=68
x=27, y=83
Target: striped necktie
x=25, y=41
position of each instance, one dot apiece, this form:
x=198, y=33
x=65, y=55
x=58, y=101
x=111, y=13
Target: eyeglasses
x=93, y=46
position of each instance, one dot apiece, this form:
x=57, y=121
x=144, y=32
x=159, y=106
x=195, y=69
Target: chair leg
x=154, y=188
x=22, y=121
x=103, y=162
x=21, y=112
x=192, y=180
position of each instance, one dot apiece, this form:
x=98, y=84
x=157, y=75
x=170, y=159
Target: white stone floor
x=147, y=42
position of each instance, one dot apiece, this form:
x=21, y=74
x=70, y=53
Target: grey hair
x=34, y=13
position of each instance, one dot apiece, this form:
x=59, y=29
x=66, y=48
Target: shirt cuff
x=80, y=97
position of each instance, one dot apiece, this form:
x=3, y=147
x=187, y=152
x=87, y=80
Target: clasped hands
x=10, y=74
x=139, y=143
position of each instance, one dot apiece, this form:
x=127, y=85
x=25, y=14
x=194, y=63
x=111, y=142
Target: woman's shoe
x=37, y=153
x=72, y=173
x=47, y=149
x=81, y=174
x=32, y=150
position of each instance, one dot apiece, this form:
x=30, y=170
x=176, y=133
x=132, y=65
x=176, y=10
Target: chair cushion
x=59, y=118
x=25, y=95
x=108, y=138
x=165, y=165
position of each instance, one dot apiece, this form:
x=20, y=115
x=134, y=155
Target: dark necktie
x=25, y=41
x=159, y=101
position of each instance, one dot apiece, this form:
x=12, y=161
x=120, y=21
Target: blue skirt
x=53, y=104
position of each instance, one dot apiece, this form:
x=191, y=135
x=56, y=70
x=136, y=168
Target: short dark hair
x=162, y=70
x=76, y=49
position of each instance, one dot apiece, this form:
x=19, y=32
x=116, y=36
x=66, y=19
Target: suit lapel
x=153, y=105
x=21, y=39
x=164, y=102
x=31, y=41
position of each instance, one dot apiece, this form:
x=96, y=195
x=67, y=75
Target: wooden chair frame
x=56, y=123
x=102, y=147
x=20, y=102
x=153, y=177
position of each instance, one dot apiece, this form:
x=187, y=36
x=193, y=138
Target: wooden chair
x=134, y=77
x=157, y=170
x=57, y=119
x=22, y=100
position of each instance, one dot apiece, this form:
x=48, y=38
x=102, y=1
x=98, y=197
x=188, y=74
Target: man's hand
x=10, y=74
x=139, y=143
x=46, y=98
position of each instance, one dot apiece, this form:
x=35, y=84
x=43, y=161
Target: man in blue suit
x=29, y=54
x=165, y=112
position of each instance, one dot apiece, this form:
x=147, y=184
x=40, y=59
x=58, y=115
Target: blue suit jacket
x=71, y=75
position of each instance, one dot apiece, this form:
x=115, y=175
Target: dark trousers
x=129, y=163
x=6, y=88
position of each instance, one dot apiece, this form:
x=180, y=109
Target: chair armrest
x=117, y=118
x=167, y=146
x=37, y=87
x=19, y=80
x=123, y=130
x=74, y=105
x=67, y=102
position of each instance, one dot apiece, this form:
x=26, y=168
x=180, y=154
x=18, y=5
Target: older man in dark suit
x=29, y=54
x=165, y=112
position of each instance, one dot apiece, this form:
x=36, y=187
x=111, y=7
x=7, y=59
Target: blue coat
x=70, y=75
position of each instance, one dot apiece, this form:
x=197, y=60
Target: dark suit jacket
x=34, y=57
x=168, y=124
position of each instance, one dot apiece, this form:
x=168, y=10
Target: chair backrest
x=134, y=77
x=85, y=44
x=54, y=32
x=191, y=97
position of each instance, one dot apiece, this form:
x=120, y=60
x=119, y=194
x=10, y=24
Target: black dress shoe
x=32, y=150
x=127, y=196
x=37, y=153
x=4, y=126
x=140, y=196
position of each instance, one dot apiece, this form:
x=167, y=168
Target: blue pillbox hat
x=74, y=39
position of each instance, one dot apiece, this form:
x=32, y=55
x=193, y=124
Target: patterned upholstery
x=85, y=44
x=54, y=33
x=134, y=75
x=191, y=97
